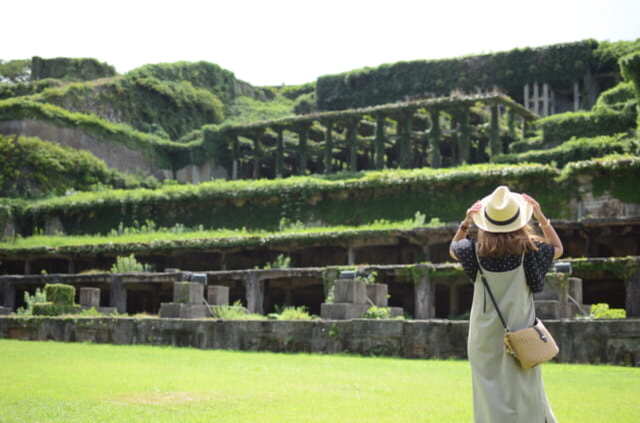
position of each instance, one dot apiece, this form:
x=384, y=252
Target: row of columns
x=424, y=295
x=431, y=138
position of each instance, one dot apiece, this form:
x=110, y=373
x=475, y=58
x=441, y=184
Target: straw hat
x=503, y=211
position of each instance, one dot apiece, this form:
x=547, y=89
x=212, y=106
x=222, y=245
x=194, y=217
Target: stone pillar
x=511, y=118
x=90, y=297
x=632, y=295
x=494, y=133
x=303, y=135
x=118, y=294
x=71, y=268
x=576, y=96
x=425, y=297
x=405, y=150
x=536, y=98
x=526, y=96
x=328, y=147
x=27, y=266
x=254, y=291
x=9, y=295
x=436, y=158
x=352, y=141
x=464, y=138
x=545, y=99
x=218, y=295
x=351, y=256
x=280, y=153
x=454, y=299
x=257, y=152
x=235, y=153
x=379, y=141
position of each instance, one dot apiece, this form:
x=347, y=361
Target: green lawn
x=58, y=382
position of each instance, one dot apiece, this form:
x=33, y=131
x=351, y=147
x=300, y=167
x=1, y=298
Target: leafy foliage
x=562, y=127
x=60, y=294
x=576, y=149
x=72, y=69
x=39, y=296
x=34, y=168
x=127, y=264
x=15, y=71
x=509, y=70
x=602, y=311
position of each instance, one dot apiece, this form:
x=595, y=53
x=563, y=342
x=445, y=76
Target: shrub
x=33, y=167
x=236, y=311
x=562, y=127
x=51, y=309
x=281, y=262
x=127, y=264
x=291, y=313
x=375, y=312
x=602, y=311
x=38, y=297
x=60, y=294
x=576, y=149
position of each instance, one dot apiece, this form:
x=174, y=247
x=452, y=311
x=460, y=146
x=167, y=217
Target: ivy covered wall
x=351, y=200
x=71, y=69
x=558, y=65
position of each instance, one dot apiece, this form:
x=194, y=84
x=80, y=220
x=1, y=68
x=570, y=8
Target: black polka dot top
x=536, y=263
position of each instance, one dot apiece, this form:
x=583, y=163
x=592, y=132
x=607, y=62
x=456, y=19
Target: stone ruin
x=188, y=299
x=90, y=298
x=353, y=297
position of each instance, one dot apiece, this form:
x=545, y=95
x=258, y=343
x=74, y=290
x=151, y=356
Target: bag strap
x=493, y=300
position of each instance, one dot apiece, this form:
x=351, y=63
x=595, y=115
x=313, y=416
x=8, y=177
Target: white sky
x=271, y=42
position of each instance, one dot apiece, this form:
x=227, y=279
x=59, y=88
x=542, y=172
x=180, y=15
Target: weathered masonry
x=602, y=237
x=423, y=290
x=417, y=141
x=609, y=341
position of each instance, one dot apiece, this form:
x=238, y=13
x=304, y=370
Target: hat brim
x=526, y=211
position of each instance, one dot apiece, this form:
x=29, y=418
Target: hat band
x=502, y=222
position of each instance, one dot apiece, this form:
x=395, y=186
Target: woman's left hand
x=477, y=206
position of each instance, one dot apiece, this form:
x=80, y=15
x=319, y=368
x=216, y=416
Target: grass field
x=59, y=382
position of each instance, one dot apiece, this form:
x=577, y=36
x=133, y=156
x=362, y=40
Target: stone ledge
x=580, y=341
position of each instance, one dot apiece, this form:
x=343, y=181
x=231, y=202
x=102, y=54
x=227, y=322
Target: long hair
x=494, y=244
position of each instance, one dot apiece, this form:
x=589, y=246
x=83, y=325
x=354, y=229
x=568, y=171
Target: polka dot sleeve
x=537, y=264
x=465, y=251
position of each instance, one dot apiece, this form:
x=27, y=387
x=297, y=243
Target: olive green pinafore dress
x=502, y=391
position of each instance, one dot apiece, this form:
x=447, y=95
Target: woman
x=514, y=262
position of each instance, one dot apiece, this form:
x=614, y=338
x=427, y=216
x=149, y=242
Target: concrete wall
x=115, y=154
x=602, y=341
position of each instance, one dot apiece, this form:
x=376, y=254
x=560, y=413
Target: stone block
x=396, y=311
x=188, y=293
x=183, y=311
x=377, y=293
x=199, y=278
x=90, y=297
x=350, y=291
x=575, y=289
x=218, y=295
x=339, y=311
x=547, y=309
x=5, y=311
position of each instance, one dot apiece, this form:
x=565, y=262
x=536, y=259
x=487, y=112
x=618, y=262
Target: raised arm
x=463, y=228
x=550, y=235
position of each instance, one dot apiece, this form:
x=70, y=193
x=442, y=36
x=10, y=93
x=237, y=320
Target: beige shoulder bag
x=530, y=346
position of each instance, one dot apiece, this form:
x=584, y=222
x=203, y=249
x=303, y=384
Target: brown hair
x=494, y=244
